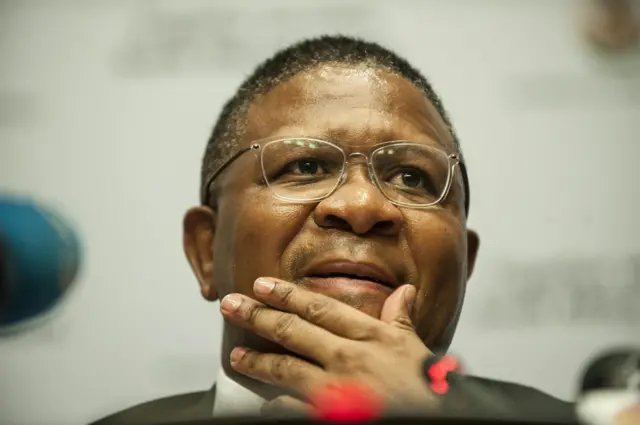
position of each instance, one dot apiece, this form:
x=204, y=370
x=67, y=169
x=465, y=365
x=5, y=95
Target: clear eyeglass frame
x=260, y=146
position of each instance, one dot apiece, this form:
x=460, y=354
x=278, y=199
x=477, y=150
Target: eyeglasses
x=302, y=170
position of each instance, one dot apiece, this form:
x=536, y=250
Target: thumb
x=397, y=308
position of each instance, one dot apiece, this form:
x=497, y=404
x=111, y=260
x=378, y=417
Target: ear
x=473, y=244
x=199, y=229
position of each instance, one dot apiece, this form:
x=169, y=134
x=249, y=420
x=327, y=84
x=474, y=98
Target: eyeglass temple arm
x=204, y=196
x=467, y=190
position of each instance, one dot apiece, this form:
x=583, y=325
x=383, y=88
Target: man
x=333, y=230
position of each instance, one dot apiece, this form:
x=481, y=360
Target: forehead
x=355, y=105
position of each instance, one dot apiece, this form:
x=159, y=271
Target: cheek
x=258, y=228
x=439, y=252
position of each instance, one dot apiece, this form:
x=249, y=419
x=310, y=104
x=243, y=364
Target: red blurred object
x=450, y=363
x=439, y=387
x=438, y=373
x=347, y=402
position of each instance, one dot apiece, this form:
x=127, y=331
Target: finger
x=397, y=308
x=328, y=313
x=285, y=329
x=285, y=405
x=281, y=370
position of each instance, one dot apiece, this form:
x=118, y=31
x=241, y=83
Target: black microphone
x=462, y=395
x=39, y=260
x=609, y=392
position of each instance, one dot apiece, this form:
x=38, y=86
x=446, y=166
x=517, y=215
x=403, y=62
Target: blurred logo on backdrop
x=572, y=291
x=612, y=25
x=177, y=39
x=611, y=31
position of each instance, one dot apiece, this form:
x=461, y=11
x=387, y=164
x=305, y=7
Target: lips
x=354, y=271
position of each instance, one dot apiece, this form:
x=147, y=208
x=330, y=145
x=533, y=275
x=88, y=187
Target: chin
x=370, y=304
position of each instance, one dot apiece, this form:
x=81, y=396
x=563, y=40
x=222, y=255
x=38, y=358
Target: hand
x=345, y=343
x=284, y=406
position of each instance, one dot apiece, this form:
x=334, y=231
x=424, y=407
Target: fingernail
x=237, y=354
x=230, y=303
x=263, y=286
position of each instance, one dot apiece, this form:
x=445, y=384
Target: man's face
x=254, y=234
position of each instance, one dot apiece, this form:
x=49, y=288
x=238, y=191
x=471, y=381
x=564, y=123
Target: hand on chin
x=326, y=341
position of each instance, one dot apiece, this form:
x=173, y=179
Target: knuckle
x=392, y=336
x=283, y=328
x=365, y=334
x=345, y=357
x=253, y=313
x=251, y=362
x=316, y=310
x=279, y=368
x=285, y=293
x=404, y=323
x=296, y=372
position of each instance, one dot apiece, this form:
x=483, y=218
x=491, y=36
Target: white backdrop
x=105, y=107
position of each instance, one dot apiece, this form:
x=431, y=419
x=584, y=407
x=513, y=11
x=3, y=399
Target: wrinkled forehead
x=350, y=105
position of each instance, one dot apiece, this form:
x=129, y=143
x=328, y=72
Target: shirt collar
x=233, y=399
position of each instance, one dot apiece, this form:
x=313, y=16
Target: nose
x=358, y=206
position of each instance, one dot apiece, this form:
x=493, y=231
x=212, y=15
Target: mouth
x=350, y=273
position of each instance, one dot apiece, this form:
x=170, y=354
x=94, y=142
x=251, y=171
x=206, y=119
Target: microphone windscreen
x=39, y=259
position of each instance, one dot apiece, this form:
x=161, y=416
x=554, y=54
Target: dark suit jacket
x=526, y=402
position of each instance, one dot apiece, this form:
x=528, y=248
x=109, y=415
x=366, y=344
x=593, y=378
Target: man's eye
x=306, y=166
x=411, y=179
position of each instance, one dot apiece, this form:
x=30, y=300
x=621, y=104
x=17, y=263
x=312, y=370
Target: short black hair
x=303, y=56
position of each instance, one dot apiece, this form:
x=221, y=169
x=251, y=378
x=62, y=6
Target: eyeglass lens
x=307, y=169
